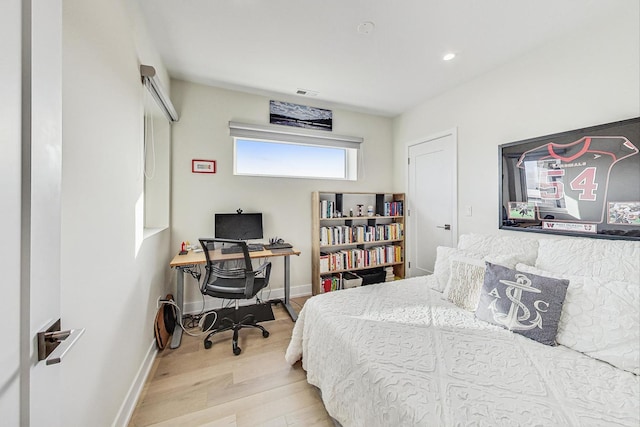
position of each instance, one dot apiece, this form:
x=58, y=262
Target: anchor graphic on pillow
x=513, y=319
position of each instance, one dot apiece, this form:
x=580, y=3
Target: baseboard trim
x=216, y=303
x=131, y=399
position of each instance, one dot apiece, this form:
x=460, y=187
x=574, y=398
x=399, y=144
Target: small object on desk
x=254, y=247
x=281, y=245
x=183, y=249
x=277, y=243
x=232, y=250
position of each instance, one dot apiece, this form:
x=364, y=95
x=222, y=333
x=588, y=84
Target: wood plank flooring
x=191, y=386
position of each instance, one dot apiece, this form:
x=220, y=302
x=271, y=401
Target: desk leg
x=287, y=289
x=176, y=337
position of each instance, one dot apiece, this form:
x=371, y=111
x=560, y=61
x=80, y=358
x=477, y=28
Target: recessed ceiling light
x=449, y=56
x=366, y=27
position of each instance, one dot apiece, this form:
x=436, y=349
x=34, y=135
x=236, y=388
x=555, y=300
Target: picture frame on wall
x=203, y=166
x=288, y=114
x=581, y=182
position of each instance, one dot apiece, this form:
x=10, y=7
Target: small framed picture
x=624, y=213
x=203, y=166
x=522, y=210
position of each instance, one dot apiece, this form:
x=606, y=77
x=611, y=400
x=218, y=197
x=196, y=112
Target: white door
x=44, y=209
x=31, y=196
x=10, y=154
x=432, y=195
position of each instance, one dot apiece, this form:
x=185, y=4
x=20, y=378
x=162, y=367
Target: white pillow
x=605, y=259
x=526, y=250
x=600, y=318
x=442, y=266
x=467, y=276
x=465, y=282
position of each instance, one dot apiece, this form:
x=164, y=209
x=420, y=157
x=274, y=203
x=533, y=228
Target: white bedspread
x=397, y=354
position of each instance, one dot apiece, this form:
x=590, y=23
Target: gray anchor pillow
x=524, y=303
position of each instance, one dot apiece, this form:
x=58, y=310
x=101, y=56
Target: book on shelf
x=330, y=283
x=324, y=262
x=327, y=209
x=389, y=275
x=393, y=208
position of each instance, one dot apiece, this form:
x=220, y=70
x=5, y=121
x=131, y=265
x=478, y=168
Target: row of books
x=328, y=209
x=331, y=283
x=393, y=209
x=343, y=234
x=360, y=258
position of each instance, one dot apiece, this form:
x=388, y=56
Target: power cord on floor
x=179, y=319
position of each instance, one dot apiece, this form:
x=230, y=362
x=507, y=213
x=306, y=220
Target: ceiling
x=277, y=47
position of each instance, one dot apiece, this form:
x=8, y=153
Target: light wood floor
x=191, y=386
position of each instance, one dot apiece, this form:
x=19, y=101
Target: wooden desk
x=183, y=263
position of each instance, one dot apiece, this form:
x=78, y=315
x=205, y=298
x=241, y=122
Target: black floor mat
x=262, y=312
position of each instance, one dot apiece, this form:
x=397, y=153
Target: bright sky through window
x=254, y=157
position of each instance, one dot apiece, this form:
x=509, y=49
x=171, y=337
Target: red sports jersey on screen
x=568, y=182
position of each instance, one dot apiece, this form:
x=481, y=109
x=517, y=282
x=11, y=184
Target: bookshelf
x=354, y=232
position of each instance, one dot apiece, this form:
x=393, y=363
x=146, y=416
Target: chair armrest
x=262, y=267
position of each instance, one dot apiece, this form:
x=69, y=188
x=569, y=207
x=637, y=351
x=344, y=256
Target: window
x=298, y=153
x=157, y=159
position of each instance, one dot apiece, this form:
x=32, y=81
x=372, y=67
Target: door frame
x=453, y=132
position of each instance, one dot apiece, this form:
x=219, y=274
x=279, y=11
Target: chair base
x=227, y=324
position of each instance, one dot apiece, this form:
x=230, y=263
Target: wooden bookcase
x=348, y=239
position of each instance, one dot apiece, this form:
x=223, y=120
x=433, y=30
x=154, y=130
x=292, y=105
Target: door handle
x=446, y=226
x=54, y=344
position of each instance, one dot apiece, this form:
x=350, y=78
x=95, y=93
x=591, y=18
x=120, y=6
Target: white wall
x=203, y=133
x=109, y=285
x=587, y=78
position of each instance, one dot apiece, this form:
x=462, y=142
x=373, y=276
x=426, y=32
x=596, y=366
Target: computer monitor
x=238, y=226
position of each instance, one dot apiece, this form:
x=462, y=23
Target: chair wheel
x=207, y=344
x=265, y=334
x=237, y=350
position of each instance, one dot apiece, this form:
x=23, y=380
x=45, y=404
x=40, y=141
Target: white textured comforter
x=397, y=354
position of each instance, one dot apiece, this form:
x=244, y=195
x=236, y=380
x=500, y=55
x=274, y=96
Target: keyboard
x=238, y=249
x=278, y=246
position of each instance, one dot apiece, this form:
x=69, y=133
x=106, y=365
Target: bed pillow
x=442, y=266
x=600, y=318
x=605, y=259
x=467, y=276
x=465, y=282
x=526, y=250
x=524, y=303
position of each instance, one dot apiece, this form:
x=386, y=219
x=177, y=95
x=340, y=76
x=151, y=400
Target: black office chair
x=233, y=279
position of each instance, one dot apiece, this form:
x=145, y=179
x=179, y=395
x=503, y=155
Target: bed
x=401, y=354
